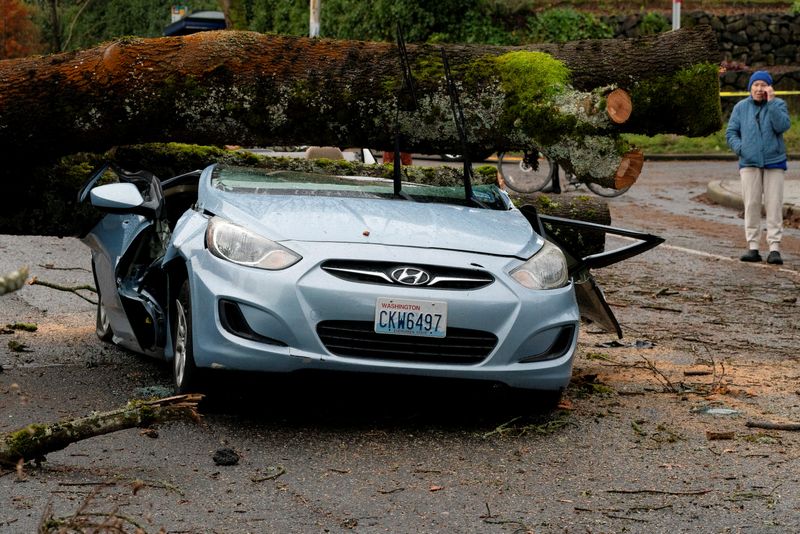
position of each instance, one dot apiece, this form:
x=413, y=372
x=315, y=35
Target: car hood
x=385, y=222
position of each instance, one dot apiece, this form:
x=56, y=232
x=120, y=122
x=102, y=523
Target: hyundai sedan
x=250, y=269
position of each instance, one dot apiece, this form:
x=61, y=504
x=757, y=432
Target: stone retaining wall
x=753, y=39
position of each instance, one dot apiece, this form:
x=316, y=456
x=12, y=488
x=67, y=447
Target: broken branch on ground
x=36, y=440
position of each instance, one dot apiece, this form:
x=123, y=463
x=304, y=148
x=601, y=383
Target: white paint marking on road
x=696, y=252
x=714, y=256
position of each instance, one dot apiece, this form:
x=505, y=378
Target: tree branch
x=34, y=441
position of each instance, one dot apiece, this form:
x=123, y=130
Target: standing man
x=755, y=134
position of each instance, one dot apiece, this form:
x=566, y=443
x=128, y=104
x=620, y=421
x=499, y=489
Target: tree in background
x=467, y=21
x=237, y=13
x=67, y=25
x=562, y=25
x=76, y=24
x=19, y=36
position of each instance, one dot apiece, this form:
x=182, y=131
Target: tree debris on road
x=35, y=440
x=13, y=280
x=768, y=425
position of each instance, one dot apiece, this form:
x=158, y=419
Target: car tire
x=102, y=324
x=184, y=371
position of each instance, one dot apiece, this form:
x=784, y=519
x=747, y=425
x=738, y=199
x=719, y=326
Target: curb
x=717, y=192
x=722, y=196
x=703, y=157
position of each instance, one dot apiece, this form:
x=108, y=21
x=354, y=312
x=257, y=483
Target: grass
x=700, y=5
x=711, y=144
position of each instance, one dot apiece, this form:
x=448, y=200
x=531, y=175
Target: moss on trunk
x=256, y=90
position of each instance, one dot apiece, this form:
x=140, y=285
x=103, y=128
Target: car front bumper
x=284, y=308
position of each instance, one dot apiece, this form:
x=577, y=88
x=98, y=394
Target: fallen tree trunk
x=673, y=77
x=36, y=440
x=254, y=90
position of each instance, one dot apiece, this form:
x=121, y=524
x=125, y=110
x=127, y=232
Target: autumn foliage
x=19, y=37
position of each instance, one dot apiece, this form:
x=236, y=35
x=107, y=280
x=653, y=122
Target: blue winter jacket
x=755, y=132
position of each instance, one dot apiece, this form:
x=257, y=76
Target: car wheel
x=184, y=371
x=102, y=324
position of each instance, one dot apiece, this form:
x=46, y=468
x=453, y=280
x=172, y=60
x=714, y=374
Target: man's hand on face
x=760, y=91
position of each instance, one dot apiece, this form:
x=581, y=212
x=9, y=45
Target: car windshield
x=250, y=180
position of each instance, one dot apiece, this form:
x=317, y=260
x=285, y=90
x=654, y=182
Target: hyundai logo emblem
x=410, y=276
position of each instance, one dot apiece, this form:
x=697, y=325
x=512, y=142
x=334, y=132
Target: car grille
x=358, y=339
x=378, y=272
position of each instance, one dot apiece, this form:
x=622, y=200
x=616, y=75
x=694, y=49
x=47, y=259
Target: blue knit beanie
x=759, y=75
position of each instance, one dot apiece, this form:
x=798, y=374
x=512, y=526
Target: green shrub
x=652, y=23
x=710, y=144
x=560, y=25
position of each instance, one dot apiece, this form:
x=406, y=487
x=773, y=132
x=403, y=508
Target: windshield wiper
x=413, y=105
x=458, y=117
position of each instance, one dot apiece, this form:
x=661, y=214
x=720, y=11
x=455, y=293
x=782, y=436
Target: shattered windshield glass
x=257, y=181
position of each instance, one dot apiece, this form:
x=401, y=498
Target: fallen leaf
x=712, y=435
x=437, y=488
x=565, y=404
x=149, y=432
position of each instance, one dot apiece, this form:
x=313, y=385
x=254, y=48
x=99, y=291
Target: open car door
x=591, y=301
x=126, y=244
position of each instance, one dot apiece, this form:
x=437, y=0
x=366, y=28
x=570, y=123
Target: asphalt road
x=634, y=448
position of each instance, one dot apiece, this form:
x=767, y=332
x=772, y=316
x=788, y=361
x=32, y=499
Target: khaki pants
x=769, y=184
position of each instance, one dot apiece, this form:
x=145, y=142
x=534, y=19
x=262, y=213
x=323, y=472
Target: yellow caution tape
x=745, y=93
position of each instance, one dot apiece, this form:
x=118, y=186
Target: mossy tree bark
x=252, y=89
x=673, y=77
x=34, y=441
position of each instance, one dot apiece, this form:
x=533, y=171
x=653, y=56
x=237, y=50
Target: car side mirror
x=116, y=197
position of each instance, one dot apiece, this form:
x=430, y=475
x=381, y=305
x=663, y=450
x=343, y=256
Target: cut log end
x=629, y=169
x=619, y=106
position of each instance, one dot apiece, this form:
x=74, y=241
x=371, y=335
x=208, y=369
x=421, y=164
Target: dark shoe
x=752, y=255
x=775, y=258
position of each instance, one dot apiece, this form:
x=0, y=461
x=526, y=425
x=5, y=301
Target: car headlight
x=239, y=245
x=547, y=269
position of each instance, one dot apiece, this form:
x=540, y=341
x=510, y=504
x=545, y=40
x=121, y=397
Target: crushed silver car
x=256, y=270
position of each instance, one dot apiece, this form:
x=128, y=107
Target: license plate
x=411, y=317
